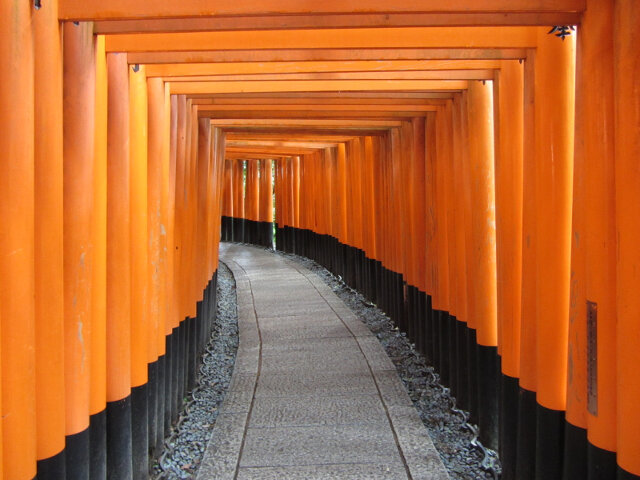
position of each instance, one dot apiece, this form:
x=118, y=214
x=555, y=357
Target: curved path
x=313, y=394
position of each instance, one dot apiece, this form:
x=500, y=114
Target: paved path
x=313, y=394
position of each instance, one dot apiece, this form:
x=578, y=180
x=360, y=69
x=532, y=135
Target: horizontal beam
x=276, y=122
x=315, y=108
x=301, y=114
x=316, y=86
x=279, y=143
x=318, y=103
x=385, y=75
x=287, y=22
x=270, y=150
x=132, y=9
x=335, y=54
x=249, y=68
x=312, y=131
x=275, y=136
x=252, y=156
x=354, y=38
x=336, y=97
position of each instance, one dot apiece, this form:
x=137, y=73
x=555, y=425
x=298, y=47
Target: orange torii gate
x=460, y=206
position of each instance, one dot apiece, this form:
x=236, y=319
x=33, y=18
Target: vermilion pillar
x=483, y=262
x=157, y=191
x=238, y=201
x=554, y=131
x=227, y=201
x=509, y=124
x=266, y=202
x=79, y=117
x=627, y=178
x=525, y=462
x=49, y=277
x=595, y=51
x=98, y=388
x=141, y=330
x=170, y=287
x=17, y=241
x=119, y=448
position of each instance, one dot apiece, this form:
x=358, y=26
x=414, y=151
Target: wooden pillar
x=296, y=191
x=157, y=191
x=483, y=262
x=509, y=124
x=252, y=197
x=49, y=273
x=554, y=124
x=238, y=200
x=627, y=179
x=170, y=285
x=17, y=241
x=459, y=167
x=204, y=158
x=141, y=329
x=266, y=202
x=79, y=117
x=98, y=388
x=594, y=194
x=119, y=448
x=448, y=338
x=227, y=200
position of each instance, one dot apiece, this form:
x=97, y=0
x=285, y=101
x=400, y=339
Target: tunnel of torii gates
x=473, y=174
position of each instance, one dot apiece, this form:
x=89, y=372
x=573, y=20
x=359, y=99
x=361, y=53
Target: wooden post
x=554, y=133
x=79, y=150
x=141, y=329
x=49, y=273
x=17, y=241
x=119, y=447
x=627, y=180
x=98, y=387
x=509, y=124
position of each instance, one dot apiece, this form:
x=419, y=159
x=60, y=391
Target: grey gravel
x=185, y=446
x=449, y=431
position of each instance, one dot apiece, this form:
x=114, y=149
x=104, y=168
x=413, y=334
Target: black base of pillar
x=508, y=426
x=549, y=443
x=78, y=455
x=575, y=452
x=52, y=468
x=98, y=444
x=139, y=432
x=488, y=370
x=526, y=457
x=119, y=442
x=624, y=475
x=601, y=463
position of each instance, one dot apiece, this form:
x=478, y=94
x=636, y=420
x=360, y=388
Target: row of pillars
x=110, y=212
x=499, y=232
x=247, y=207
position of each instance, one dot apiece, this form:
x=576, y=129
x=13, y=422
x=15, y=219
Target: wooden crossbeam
x=134, y=9
x=339, y=54
x=331, y=21
x=316, y=85
x=354, y=38
x=249, y=68
x=470, y=74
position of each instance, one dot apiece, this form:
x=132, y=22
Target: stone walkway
x=313, y=394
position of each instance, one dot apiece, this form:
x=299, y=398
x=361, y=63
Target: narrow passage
x=313, y=394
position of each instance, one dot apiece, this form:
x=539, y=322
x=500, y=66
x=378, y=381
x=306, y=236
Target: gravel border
x=185, y=446
x=455, y=440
